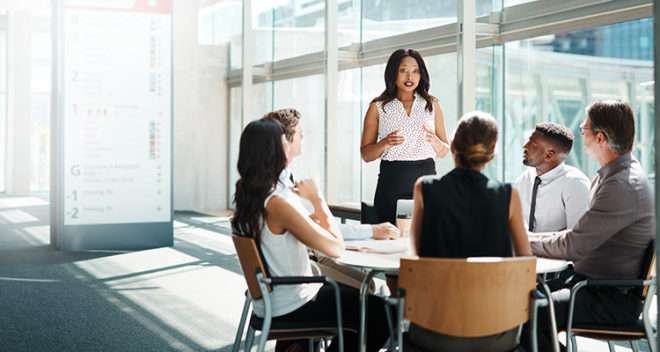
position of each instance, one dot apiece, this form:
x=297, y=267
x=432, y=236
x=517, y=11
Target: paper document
x=381, y=247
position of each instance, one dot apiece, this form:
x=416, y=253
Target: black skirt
x=396, y=181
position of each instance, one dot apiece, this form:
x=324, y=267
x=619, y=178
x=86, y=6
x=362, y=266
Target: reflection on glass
x=554, y=78
x=235, y=128
x=306, y=95
x=383, y=18
x=488, y=99
x=516, y=2
x=40, y=106
x=344, y=133
x=3, y=106
x=285, y=29
x=222, y=23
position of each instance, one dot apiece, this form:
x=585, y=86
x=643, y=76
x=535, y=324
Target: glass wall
x=549, y=77
x=222, y=23
x=554, y=78
x=307, y=95
x=289, y=28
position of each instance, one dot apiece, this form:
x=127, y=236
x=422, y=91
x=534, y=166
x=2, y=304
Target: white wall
x=201, y=113
x=18, y=170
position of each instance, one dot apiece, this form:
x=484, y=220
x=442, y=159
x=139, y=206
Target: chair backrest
x=251, y=263
x=648, y=266
x=467, y=297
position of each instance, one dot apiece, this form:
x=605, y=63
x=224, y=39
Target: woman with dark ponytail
x=405, y=128
x=464, y=214
x=284, y=233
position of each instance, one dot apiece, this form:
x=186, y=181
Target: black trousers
x=592, y=305
x=396, y=181
x=419, y=339
x=322, y=309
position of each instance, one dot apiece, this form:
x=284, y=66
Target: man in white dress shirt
x=289, y=118
x=554, y=195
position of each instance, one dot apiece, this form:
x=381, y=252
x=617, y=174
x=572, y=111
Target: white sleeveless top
x=410, y=127
x=285, y=256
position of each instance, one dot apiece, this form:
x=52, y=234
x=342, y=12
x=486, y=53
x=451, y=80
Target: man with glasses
x=609, y=241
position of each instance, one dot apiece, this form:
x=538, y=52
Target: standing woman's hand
x=441, y=148
x=392, y=139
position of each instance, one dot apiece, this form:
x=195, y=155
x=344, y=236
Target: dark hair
x=474, y=140
x=288, y=118
x=616, y=121
x=261, y=159
x=559, y=135
x=391, y=71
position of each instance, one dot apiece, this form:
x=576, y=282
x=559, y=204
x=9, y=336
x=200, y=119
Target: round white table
x=389, y=263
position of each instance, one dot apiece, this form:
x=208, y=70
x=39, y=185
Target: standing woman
x=405, y=128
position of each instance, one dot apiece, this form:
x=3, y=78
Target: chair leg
x=574, y=344
x=652, y=343
x=635, y=345
x=310, y=345
x=241, y=325
x=610, y=345
x=249, y=339
x=390, y=325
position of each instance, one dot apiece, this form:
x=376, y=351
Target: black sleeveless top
x=465, y=215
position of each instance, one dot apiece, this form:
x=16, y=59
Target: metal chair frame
x=648, y=287
x=262, y=290
x=649, y=332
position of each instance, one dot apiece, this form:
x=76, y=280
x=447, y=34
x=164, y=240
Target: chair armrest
x=601, y=283
x=618, y=283
x=295, y=280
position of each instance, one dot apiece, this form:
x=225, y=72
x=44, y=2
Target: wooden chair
x=259, y=287
x=642, y=328
x=471, y=297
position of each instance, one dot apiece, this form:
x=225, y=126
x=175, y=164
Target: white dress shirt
x=561, y=199
x=349, y=231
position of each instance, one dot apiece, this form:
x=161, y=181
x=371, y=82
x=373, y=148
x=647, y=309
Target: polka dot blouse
x=410, y=127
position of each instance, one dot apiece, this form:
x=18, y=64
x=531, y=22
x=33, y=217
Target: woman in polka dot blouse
x=405, y=128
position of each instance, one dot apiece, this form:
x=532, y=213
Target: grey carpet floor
x=182, y=298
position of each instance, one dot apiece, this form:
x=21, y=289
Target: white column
x=331, y=73
x=467, y=54
x=246, y=59
x=200, y=115
x=19, y=57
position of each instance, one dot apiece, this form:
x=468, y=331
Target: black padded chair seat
x=633, y=330
x=324, y=328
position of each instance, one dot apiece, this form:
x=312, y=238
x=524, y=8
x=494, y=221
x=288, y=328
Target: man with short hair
x=290, y=118
x=554, y=196
x=610, y=240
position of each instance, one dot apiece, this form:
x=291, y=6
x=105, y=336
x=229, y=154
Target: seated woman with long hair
x=465, y=214
x=284, y=232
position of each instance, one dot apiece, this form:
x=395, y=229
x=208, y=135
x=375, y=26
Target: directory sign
x=116, y=111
